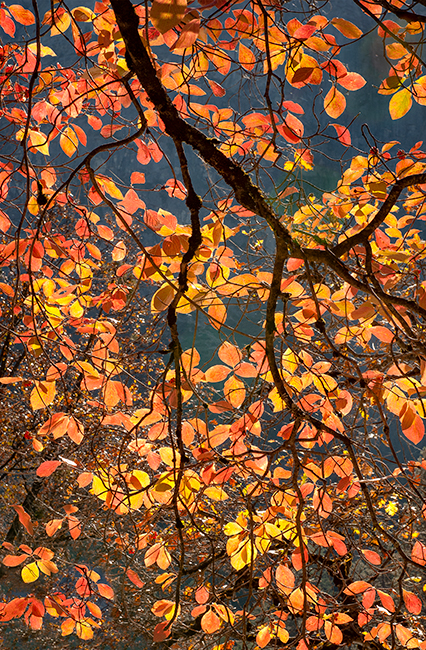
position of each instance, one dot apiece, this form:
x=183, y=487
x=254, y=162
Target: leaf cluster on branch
x=212, y=372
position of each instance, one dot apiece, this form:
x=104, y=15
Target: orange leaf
x=161, y=632
x=52, y=526
x=352, y=81
x=372, y=557
x=217, y=89
x=246, y=57
x=404, y=635
x=387, y=601
x=162, y=298
x=418, y=554
x=210, y=622
x=234, y=391
x=296, y=601
x=105, y=590
x=346, y=28
x=333, y=633
x=263, y=636
x=166, y=14
x=68, y=141
x=285, y=578
x=217, y=373
x=188, y=35
x=133, y=577
x=42, y=394
x=217, y=313
x=14, y=560
x=21, y=15
x=357, y=587
x=74, y=526
x=343, y=134
x=334, y=103
x=229, y=354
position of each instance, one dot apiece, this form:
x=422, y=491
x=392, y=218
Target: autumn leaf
x=69, y=141
x=246, y=57
x=400, y=104
x=21, y=15
x=166, y=14
x=346, y=28
x=334, y=103
x=412, y=602
x=105, y=590
x=47, y=468
x=42, y=394
x=210, y=622
x=30, y=572
x=25, y=519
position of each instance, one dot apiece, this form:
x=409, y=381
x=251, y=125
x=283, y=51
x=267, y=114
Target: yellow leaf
x=400, y=103
x=234, y=391
x=44, y=50
x=83, y=14
x=61, y=22
x=244, y=555
x=30, y=572
x=83, y=630
x=68, y=141
x=109, y=187
x=38, y=141
x=76, y=309
x=162, y=298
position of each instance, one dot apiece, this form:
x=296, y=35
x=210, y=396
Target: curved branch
x=389, y=202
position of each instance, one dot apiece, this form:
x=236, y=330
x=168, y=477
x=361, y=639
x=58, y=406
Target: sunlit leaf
x=30, y=572
x=166, y=14
x=400, y=104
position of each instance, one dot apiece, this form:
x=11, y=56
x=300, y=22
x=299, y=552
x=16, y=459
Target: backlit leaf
x=400, y=104
x=346, y=28
x=334, y=103
x=166, y=14
x=210, y=622
x=246, y=57
x=30, y=572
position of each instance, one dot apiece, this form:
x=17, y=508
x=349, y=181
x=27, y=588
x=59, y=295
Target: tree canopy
x=212, y=324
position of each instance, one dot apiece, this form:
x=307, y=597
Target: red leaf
x=105, y=590
x=412, y=602
x=418, y=554
x=352, y=81
x=217, y=89
x=161, y=632
x=372, y=557
x=133, y=577
x=343, y=134
x=48, y=467
x=304, y=32
x=25, y=519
